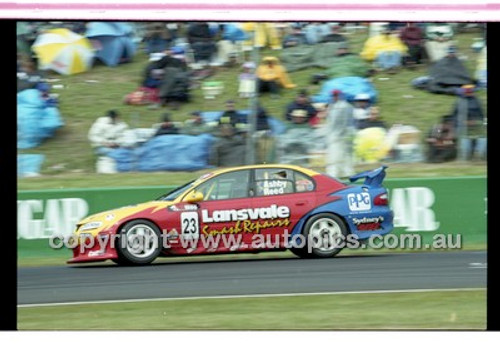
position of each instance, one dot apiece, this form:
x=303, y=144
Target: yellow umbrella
x=63, y=51
x=370, y=145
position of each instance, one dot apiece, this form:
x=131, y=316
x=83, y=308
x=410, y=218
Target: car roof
x=306, y=171
x=210, y=175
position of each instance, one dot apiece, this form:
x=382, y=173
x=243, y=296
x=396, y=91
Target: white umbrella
x=63, y=51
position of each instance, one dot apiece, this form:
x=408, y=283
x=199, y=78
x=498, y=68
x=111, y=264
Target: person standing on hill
x=442, y=141
x=413, y=37
x=340, y=126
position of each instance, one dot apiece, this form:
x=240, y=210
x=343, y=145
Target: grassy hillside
x=89, y=95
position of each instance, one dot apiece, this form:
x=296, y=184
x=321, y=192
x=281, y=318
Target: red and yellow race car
x=243, y=209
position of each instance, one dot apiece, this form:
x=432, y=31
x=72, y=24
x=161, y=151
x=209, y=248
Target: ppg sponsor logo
x=359, y=201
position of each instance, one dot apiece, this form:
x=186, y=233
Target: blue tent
x=36, y=119
x=29, y=164
x=176, y=152
x=166, y=153
x=113, y=41
x=350, y=87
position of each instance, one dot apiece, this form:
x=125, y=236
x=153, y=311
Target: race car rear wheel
x=139, y=243
x=325, y=234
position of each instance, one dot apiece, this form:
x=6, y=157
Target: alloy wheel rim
x=141, y=241
x=326, y=235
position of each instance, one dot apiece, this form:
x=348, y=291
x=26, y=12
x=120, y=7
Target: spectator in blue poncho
x=37, y=116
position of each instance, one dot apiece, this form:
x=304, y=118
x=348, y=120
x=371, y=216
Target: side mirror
x=194, y=197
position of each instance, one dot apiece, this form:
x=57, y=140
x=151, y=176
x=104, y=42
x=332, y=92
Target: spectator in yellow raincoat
x=265, y=34
x=386, y=50
x=272, y=76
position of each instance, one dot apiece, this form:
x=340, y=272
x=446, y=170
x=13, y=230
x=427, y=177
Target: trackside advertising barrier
x=424, y=206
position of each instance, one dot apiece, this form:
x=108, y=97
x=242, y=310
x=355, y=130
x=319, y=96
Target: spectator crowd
x=342, y=129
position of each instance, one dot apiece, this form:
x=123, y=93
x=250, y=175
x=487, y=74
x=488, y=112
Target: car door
x=288, y=195
x=220, y=215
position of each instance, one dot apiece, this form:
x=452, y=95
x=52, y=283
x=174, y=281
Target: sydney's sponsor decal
x=368, y=224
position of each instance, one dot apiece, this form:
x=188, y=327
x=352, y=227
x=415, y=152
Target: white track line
x=250, y=296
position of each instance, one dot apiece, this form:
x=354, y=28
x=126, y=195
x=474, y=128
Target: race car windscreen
x=170, y=196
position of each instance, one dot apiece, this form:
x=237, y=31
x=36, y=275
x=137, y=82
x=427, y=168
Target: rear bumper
x=378, y=221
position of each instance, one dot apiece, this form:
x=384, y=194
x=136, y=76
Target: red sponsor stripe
x=372, y=226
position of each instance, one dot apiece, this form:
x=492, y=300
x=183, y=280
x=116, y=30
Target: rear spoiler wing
x=373, y=178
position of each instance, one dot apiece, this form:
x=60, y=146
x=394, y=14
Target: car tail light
x=381, y=199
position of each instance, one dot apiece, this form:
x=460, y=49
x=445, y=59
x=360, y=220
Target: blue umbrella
x=350, y=87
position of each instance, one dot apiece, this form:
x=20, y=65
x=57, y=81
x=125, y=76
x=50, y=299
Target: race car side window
x=275, y=181
x=226, y=186
x=272, y=181
x=303, y=183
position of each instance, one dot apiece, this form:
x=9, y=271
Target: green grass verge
x=64, y=181
x=417, y=310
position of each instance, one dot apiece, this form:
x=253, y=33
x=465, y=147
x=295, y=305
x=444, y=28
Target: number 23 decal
x=189, y=224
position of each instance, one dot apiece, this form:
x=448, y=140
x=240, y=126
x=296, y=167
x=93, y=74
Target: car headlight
x=91, y=225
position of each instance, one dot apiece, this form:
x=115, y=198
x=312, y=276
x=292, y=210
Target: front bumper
x=99, y=251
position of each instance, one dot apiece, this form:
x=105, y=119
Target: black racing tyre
x=326, y=234
x=121, y=261
x=301, y=252
x=139, y=243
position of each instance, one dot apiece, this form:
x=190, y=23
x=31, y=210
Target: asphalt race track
x=56, y=284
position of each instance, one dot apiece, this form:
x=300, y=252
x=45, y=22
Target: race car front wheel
x=325, y=235
x=139, y=243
